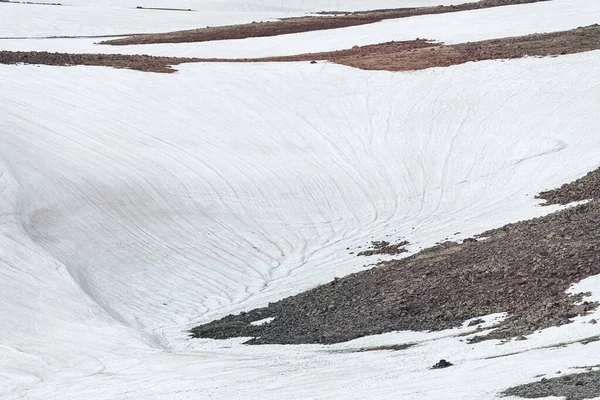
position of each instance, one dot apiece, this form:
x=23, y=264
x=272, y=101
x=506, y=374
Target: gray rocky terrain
x=522, y=268
x=571, y=387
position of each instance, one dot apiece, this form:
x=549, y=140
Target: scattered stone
x=442, y=364
x=520, y=337
x=584, y=188
x=476, y=322
x=384, y=247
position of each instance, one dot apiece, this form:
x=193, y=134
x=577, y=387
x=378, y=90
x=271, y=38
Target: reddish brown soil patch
x=410, y=56
x=393, y=56
x=137, y=62
x=302, y=24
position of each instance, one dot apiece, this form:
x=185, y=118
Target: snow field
x=114, y=17
x=136, y=205
x=450, y=28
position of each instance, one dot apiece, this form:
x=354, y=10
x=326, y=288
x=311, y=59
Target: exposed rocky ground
x=522, y=268
x=571, y=387
x=409, y=56
x=137, y=62
x=582, y=189
x=393, y=56
x=302, y=24
x=384, y=247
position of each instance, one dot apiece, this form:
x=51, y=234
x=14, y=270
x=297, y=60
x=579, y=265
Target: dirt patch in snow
x=522, y=268
x=394, y=56
x=422, y=54
x=137, y=62
x=302, y=24
x=393, y=347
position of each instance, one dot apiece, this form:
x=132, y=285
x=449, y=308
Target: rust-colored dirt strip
x=420, y=54
x=137, y=62
x=302, y=24
x=393, y=56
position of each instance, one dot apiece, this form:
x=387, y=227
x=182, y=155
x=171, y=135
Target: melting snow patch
x=262, y=321
x=486, y=321
x=590, y=288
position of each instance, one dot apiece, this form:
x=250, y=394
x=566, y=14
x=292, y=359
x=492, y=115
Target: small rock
x=476, y=322
x=521, y=337
x=442, y=364
x=593, y=321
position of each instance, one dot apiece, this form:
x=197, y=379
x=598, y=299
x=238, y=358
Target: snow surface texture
x=137, y=205
x=460, y=27
x=110, y=17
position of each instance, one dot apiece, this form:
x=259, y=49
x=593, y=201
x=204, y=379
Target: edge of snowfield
x=450, y=28
x=137, y=205
x=118, y=17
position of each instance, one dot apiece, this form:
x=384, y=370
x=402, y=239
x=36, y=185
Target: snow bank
x=135, y=205
x=549, y=16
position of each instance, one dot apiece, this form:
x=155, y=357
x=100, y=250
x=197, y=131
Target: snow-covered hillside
x=135, y=205
x=114, y=17
x=467, y=26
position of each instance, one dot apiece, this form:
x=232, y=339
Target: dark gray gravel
x=383, y=247
x=522, y=268
x=572, y=387
x=582, y=189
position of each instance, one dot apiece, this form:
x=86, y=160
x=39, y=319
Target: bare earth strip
x=302, y=24
x=137, y=62
x=420, y=54
x=393, y=56
x=522, y=268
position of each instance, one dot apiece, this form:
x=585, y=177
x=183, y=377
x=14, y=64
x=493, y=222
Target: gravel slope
x=523, y=268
